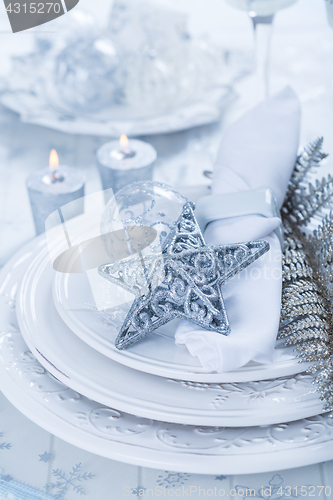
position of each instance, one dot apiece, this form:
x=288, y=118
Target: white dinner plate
x=156, y=354
x=135, y=440
x=85, y=370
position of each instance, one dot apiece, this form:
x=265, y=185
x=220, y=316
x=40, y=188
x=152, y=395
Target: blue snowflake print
x=6, y=478
x=45, y=457
x=173, y=479
x=220, y=478
x=4, y=446
x=275, y=490
x=68, y=481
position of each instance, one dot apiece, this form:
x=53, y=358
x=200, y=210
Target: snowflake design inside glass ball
x=144, y=203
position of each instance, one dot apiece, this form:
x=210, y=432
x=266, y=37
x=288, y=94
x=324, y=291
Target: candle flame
x=123, y=141
x=54, y=159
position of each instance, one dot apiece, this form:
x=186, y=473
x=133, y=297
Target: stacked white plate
x=151, y=404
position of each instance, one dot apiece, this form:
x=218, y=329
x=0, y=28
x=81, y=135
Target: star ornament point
x=191, y=287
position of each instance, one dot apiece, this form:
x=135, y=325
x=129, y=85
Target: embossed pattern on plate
x=108, y=382
x=158, y=354
x=120, y=436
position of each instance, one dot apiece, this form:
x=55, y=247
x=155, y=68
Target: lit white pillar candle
x=51, y=188
x=121, y=163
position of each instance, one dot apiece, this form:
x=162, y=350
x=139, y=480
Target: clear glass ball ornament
x=144, y=203
x=89, y=74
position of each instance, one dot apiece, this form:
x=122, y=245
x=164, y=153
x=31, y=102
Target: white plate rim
x=162, y=459
x=250, y=372
x=57, y=363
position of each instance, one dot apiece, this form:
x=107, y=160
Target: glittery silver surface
x=307, y=298
x=137, y=275
x=303, y=200
x=191, y=288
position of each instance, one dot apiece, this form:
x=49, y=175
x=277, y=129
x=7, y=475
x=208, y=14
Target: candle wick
x=122, y=153
x=127, y=152
x=55, y=176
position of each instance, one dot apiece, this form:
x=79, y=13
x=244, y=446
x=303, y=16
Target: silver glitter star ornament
x=191, y=288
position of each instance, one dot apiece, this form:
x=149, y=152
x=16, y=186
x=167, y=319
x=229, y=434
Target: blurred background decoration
x=329, y=10
x=43, y=111
x=143, y=73
x=262, y=14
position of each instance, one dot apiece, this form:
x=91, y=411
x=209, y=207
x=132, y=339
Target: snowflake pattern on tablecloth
x=5, y=477
x=173, y=479
x=45, y=457
x=275, y=490
x=3, y=445
x=220, y=478
x=71, y=481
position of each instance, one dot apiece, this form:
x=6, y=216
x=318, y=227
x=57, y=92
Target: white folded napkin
x=259, y=150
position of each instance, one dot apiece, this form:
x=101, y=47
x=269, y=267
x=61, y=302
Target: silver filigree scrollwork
x=191, y=284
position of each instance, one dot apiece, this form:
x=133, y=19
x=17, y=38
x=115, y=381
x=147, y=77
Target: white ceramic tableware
x=136, y=440
x=82, y=368
x=157, y=354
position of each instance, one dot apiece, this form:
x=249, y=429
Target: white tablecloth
x=303, y=57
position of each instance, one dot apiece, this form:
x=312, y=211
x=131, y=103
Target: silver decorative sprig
x=303, y=200
x=306, y=162
x=308, y=201
x=307, y=298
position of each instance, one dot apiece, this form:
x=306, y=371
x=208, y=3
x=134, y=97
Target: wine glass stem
x=262, y=28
